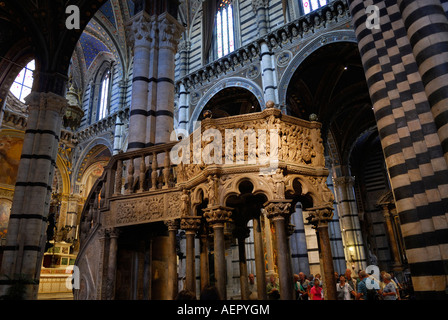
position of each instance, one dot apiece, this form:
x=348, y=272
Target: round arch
x=296, y=61
x=237, y=82
x=79, y=167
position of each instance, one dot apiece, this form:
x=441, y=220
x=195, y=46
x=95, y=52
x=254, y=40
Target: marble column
x=112, y=263
x=319, y=218
x=349, y=221
x=242, y=233
x=299, y=249
x=141, y=35
x=268, y=72
x=260, y=268
x=392, y=238
x=278, y=211
x=259, y=8
x=26, y=238
x=204, y=265
x=184, y=48
x=169, y=33
x=173, y=226
x=191, y=225
x=217, y=216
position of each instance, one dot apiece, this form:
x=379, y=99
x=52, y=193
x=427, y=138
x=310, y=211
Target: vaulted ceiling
x=331, y=84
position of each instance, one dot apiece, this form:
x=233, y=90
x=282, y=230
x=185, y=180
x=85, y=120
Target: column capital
x=259, y=4
x=278, y=209
x=47, y=101
x=113, y=232
x=191, y=223
x=343, y=181
x=173, y=225
x=320, y=216
x=141, y=30
x=170, y=31
x=217, y=214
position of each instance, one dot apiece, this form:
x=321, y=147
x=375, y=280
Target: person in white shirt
x=343, y=289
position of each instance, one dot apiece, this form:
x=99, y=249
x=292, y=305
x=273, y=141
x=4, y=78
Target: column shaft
x=260, y=268
x=26, y=236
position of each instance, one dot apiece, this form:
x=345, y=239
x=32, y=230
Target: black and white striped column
x=141, y=35
x=259, y=8
x=184, y=49
x=27, y=227
x=427, y=28
x=412, y=148
x=169, y=34
x=349, y=222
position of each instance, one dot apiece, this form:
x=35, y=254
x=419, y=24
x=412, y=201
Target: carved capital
x=140, y=31
x=217, y=215
x=278, y=209
x=113, y=232
x=170, y=31
x=320, y=216
x=191, y=224
x=173, y=225
x=259, y=4
x=47, y=101
x=344, y=181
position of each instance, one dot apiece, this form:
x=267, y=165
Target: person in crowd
x=316, y=290
x=253, y=294
x=343, y=290
x=305, y=286
x=185, y=295
x=273, y=289
x=351, y=281
x=210, y=293
x=297, y=286
x=389, y=291
x=362, y=288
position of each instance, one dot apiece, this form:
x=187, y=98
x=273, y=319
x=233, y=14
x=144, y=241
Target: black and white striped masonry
x=409, y=132
x=27, y=226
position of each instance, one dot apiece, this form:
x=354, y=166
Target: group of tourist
x=364, y=287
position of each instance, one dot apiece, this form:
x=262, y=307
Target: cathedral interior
x=120, y=122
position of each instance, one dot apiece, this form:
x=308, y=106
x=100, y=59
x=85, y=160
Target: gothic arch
x=296, y=61
x=226, y=83
x=232, y=187
x=80, y=165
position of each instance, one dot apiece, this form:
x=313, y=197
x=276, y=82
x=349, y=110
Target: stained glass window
x=104, y=96
x=224, y=28
x=311, y=5
x=24, y=82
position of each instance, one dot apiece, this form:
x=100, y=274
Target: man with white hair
x=389, y=292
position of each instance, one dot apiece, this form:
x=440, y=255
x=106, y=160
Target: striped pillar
x=299, y=250
x=349, y=222
x=259, y=7
x=141, y=36
x=412, y=149
x=268, y=72
x=169, y=33
x=27, y=227
x=427, y=28
x=184, y=48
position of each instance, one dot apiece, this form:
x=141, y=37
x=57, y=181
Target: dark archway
x=232, y=101
x=331, y=84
